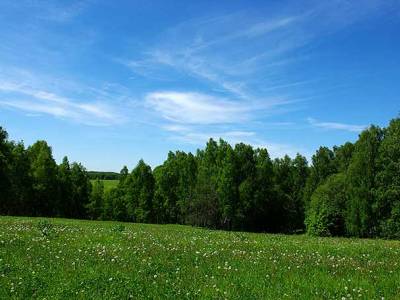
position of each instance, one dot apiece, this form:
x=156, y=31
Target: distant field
x=66, y=259
x=108, y=184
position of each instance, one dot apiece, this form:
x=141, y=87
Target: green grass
x=63, y=259
x=108, y=183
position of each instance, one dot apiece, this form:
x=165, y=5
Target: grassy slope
x=108, y=183
x=88, y=259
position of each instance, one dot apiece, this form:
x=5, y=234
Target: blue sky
x=110, y=82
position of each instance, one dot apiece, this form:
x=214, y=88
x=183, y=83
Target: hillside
x=59, y=258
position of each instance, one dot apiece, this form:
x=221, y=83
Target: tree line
x=349, y=190
x=103, y=175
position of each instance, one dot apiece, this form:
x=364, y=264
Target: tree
x=44, y=177
x=21, y=181
x=140, y=192
x=343, y=155
x=5, y=180
x=186, y=169
x=175, y=180
x=323, y=165
x=96, y=202
x=387, y=182
x=123, y=174
x=246, y=172
x=299, y=175
x=361, y=176
x=64, y=188
x=326, y=214
x=227, y=190
x=204, y=209
x=80, y=194
x=261, y=212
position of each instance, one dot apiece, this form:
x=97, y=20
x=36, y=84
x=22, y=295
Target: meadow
x=64, y=259
x=108, y=183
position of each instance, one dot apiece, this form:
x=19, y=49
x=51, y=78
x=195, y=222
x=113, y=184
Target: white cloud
x=265, y=27
x=192, y=136
x=25, y=98
x=336, y=126
x=196, y=108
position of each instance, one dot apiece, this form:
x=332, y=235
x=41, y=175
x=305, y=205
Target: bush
x=325, y=216
x=390, y=228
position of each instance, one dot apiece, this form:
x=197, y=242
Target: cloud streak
x=242, y=64
x=25, y=98
x=195, y=137
x=196, y=108
x=336, y=126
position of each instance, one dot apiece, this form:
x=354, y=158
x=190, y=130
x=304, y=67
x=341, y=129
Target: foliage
x=361, y=220
x=349, y=190
x=326, y=215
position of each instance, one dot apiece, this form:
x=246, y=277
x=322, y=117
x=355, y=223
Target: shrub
x=325, y=216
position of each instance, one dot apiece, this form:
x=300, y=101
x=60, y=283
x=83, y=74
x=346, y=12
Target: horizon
x=108, y=84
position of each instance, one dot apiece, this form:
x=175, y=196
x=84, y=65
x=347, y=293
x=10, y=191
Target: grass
x=63, y=259
x=108, y=183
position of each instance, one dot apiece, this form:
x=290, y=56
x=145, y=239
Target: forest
x=349, y=190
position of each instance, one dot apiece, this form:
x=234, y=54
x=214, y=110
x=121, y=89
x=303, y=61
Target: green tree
x=261, y=214
x=361, y=178
x=323, y=165
x=5, y=180
x=343, y=155
x=204, y=209
x=299, y=174
x=140, y=193
x=44, y=177
x=96, y=201
x=246, y=174
x=21, y=181
x=80, y=194
x=387, y=182
x=326, y=214
x=227, y=190
x=64, y=188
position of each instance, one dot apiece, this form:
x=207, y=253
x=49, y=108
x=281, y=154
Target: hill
x=103, y=175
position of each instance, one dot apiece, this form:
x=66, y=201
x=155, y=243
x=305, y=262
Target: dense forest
x=350, y=190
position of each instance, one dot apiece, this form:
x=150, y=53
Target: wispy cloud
x=242, y=53
x=224, y=52
x=336, y=126
x=196, y=108
x=241, y=61
x=199, y=138
x=200, y=108
x=26, y=98
x=49, y=10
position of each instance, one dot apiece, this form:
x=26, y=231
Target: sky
x=110, y=82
